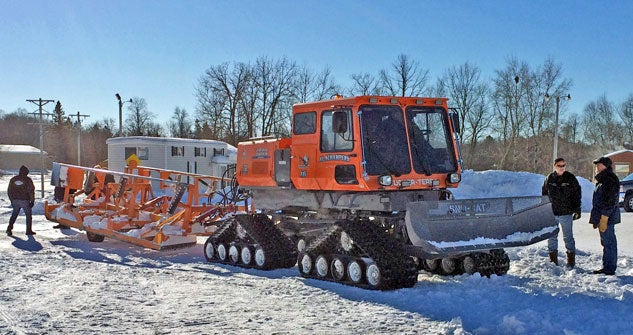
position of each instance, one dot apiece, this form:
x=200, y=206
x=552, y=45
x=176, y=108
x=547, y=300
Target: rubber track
x=396, y=268
x=262, y=232
x=486, y=263
x=279, y=250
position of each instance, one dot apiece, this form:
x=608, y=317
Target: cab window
x=304, y=123
x=333, y=140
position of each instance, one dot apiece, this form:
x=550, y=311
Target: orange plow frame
x=126, y=208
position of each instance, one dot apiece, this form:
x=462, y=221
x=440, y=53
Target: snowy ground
x=59, y=283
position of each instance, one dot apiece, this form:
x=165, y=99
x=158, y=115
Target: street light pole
x=121, y=102
x=547, y=97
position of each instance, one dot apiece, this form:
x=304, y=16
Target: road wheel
x=260, y=258
x=234, y=254
x=338, y=269
x=373, y=275
x=355, y=271
x=209, y=250
x=628, y=202
x=246, y=255
x=469, y=265
x=223, y=254
x=322, y=266
x=305, y=264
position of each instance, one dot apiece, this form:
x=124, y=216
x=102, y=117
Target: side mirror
x=455, y=120
x=339, y=122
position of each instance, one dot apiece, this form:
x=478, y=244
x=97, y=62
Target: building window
x=218, y=152
x=129, y=151
x=200, y=152
x=141, y=152
x=177, y=151
x=621, y=169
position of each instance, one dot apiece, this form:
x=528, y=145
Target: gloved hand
x=576, y=216
x=595, y=226
x=602, y=226
x=32, y=203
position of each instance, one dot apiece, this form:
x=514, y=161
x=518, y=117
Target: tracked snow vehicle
x=362, y=188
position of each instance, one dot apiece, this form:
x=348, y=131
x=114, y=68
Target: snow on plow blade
x=442, y=228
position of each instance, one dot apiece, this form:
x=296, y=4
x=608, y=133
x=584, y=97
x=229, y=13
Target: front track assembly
x=495, y=261
x=358, y=253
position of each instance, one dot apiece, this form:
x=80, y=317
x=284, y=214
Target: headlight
x=385, y=180
x=454, y=178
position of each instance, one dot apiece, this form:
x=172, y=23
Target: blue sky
x=83, y=52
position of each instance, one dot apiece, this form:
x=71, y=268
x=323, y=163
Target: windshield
x=431, y=144
x=385, y=147
x=627, y=178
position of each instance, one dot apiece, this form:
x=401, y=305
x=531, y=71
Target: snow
x=57, y=282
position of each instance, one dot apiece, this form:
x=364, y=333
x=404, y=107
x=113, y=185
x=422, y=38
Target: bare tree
x=507, y=105
x=139, y=121
x=304, y=84
x=180, y=124
x=274, y=84
x=325, y=86
x=468, y=95
x=365, y=84
x=405, y=78
x=626, y=115
x=599, y=124
x=547, y=80
x=219, y=94
x=569, y=130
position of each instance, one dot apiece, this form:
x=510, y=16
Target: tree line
x=508, y=119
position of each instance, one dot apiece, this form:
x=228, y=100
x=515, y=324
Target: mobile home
x=206, y=157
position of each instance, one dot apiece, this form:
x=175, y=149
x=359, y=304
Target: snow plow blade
x=445, y=228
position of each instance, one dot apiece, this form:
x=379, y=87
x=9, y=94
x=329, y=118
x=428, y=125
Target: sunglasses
x=561, y=166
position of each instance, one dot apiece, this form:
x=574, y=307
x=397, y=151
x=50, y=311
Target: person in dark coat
x=565, y=194
x=606, y=213
x=21, y=193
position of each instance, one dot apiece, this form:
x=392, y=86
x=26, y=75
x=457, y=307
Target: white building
x=12, y=156
x=206, y=157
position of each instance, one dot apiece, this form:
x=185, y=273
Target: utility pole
x=40, y=103
x=79, y=116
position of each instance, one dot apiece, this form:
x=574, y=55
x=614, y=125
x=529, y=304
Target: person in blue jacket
x=606, y=213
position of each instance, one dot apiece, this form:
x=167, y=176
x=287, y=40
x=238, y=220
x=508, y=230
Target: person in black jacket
x=21, y=193
x=605, y=213
x=565, y=194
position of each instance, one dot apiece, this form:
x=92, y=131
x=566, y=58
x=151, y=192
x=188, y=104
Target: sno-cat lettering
x=468, y=209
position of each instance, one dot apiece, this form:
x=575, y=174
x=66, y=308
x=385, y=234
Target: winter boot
x=553, y=257
x=571, y=259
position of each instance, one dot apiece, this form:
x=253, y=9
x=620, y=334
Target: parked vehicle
x=626, y=193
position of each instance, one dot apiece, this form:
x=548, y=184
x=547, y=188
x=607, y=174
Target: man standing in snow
x=564, y=192
x=21, y=193
x=606, y=213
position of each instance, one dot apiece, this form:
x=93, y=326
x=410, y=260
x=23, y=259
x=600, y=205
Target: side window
x=199, y=152
x=129, y=151
x=143, y=153
x=331, y=141
x=177, y=151
x=304, y=123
